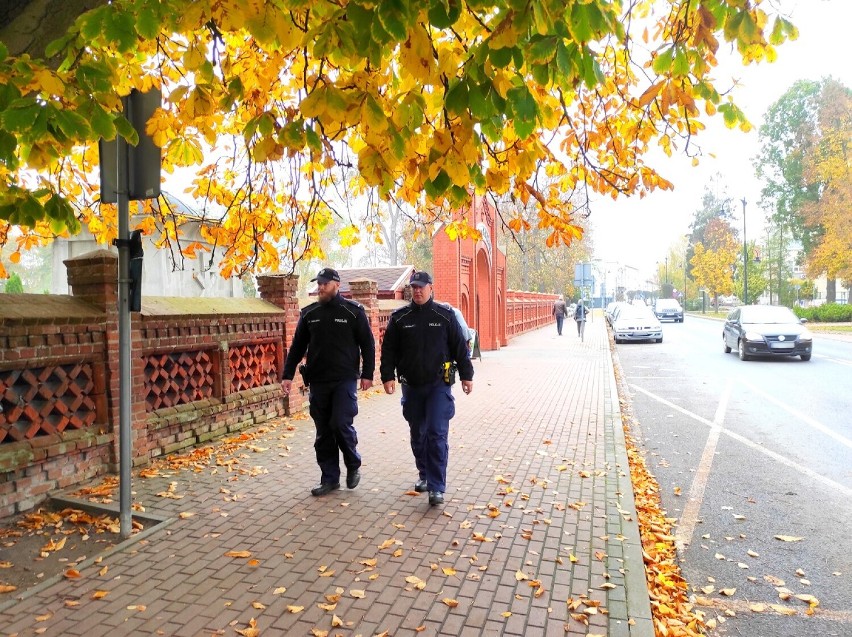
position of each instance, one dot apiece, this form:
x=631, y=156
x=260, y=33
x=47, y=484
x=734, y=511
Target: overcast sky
x=640, y=232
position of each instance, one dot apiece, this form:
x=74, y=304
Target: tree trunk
x=830, y=290
x=28, y=26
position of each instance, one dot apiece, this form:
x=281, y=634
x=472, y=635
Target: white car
x=635, y=323
x=612, y=310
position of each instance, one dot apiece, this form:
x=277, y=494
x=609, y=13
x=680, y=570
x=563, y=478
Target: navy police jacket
x=335, y=335
x=419, y=339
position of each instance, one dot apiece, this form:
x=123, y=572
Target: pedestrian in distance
x=560, y=311
x=335, y=333
x=423, y=347
x=580, y=314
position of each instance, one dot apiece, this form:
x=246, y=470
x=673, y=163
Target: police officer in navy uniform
x=422, y=339
x=335, y=332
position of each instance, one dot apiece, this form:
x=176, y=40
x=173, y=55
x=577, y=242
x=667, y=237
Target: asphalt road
x=745, y=452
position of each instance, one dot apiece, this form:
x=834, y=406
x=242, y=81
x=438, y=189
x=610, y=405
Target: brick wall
x=200, y=368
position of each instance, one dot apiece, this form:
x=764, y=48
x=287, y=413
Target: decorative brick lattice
x=253, y=365
x=176, y=378
x=45, y=400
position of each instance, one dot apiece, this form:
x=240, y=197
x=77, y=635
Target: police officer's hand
x=390, y=387
x=285, y=386
x=467, y=386
x=366, y=383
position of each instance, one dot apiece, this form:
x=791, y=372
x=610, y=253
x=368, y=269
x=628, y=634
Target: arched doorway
x=484, y=310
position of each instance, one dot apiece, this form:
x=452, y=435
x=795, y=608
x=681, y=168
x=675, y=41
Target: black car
x=766, y=330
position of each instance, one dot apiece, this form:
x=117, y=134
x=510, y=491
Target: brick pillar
x=366, y=292
x=93, y=277
x=282, y=290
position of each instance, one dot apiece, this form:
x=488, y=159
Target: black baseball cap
x=325, y=275
x=419, y=279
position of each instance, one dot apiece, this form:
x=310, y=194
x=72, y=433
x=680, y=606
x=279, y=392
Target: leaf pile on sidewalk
x=673, y=614
x=42, y=543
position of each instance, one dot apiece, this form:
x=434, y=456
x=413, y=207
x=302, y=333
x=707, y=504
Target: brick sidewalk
x=539, y=511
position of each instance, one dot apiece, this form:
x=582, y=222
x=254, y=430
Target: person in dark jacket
x=560, y=311
x=580, y=314
x=335, y=333
x=423, y=345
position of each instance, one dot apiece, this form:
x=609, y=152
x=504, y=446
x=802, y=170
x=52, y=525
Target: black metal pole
x=745, y=256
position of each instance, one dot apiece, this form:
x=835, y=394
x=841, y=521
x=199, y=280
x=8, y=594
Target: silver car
x=636, y=323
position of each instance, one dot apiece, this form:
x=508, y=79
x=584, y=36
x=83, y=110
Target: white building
x=164, y=271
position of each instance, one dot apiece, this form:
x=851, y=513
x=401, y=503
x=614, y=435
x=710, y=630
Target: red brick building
x=472, y=275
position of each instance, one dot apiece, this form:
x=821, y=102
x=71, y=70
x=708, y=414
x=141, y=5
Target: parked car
x=612, y=309
x=635, y=323
x=668, y=309
x=766, y=330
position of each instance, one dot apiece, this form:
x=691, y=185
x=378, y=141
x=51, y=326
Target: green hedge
x=826, y=313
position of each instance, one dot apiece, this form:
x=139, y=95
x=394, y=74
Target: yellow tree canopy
x=830, y=165
x=277, y=104
x=713, y=264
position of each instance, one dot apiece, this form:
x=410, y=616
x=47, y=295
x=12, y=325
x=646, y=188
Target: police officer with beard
x=335, y=333
x=422, y=346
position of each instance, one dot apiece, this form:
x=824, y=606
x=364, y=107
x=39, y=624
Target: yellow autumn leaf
x=251, y=631
x=295, y=609
x=358, y=594
x=789, y=538
x=99, y=594
x=336, y=622
x=452, y=603
x=242, y=554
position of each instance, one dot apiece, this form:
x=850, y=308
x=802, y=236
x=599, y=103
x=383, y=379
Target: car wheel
x=805, y=357
x=742, y=351
x=725, y=343
x=660, y=340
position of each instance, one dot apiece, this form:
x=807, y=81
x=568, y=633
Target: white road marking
x=689, y=518
x=753, y=445
x=801, y=416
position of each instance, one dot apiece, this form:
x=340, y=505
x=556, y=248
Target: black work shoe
x=421, y=486
x=324, y=488
x=353, y=478
x=435, y=498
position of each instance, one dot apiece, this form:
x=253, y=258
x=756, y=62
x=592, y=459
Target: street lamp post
x=745, y=256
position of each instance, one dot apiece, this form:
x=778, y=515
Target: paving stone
x=540, y=432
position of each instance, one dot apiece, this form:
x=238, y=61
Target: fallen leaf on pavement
x=789, y=538
x=251, y=631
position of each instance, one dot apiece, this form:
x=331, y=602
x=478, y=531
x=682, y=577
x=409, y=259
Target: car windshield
x=635, y=311
x=767, y=314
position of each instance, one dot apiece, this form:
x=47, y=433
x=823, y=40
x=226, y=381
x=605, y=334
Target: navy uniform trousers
x=428, y=410
x=333, y=406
